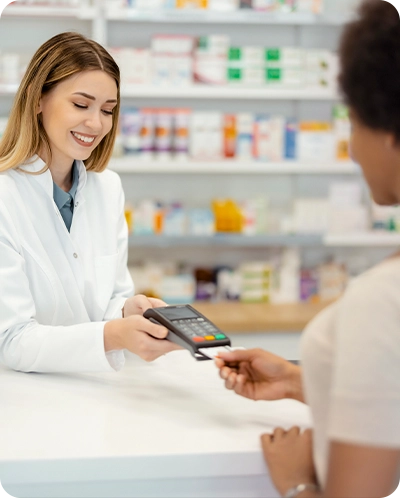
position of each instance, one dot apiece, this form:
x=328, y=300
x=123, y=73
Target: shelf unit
x=235, y=317
x=133, y=165
x=216, y=17
x=229, y=316
x=363, y=239
x=223, y=240
x=213, y=92
x=83, y=12
x=227, y=92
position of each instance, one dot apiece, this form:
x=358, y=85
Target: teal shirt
x=65, y=200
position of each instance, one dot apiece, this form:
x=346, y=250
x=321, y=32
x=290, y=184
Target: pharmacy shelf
x=366, y=239
x=84, y=13
x=363, y=239
x=213, y=92
x=224, y=240
x=130, y=164
x=260, y=317
x=227, y=92
x=214, y=17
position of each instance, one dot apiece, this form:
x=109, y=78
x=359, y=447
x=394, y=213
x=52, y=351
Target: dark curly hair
x=370, y=66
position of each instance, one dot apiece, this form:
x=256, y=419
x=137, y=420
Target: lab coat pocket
x=106, y=274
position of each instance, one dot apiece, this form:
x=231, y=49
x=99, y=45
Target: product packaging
x=163, y=134
x=147, y=133
x=244, y=141
x=256, y=280
x=342, y=131
x=230, y=135
x=192, y=4
x=130, y=129
x=268, y=137
x=180, y=136
x=291, y=131
x=316, y=141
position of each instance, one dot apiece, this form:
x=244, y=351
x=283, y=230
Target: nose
x=94, y=122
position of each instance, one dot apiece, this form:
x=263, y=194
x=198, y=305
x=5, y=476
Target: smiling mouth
x=84, y=140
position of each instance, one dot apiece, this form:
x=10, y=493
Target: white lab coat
x=57, y=288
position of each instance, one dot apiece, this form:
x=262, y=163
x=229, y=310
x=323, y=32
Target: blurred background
x=233, y=150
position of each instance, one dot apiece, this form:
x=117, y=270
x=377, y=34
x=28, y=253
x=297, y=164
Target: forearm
x=33, y=347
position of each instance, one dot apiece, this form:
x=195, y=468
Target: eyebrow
x=113, y=101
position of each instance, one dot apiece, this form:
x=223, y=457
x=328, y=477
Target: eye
x=80, y=106
x=109, y=113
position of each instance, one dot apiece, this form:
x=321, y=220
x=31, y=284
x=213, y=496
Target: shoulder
x=7, y=184
x=105, y=188
x=380, y=283
x=370, y=308
x=106, y=179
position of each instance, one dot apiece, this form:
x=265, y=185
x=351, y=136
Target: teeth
x=84, y=139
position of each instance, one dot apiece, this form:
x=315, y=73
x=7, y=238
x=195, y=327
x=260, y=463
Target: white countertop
x=168, y=419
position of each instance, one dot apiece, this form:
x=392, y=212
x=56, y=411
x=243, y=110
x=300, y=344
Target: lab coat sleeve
x=25, y=344
x=124, y=287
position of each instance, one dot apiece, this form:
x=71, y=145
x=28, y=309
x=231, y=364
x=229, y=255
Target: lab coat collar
x=46, y=180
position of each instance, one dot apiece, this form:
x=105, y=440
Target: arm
x=363, y=427
x=355, y=470
x=123, y=288
x=260, y=375
x=28, y=345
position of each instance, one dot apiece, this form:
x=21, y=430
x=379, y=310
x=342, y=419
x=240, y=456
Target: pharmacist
x=65, y=289
x=350, y=373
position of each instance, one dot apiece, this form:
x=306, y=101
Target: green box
x=273, y=74
x=273, y=55
x=234, y=74
x=235, y=54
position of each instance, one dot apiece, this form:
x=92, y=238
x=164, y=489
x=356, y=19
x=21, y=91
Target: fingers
x=279, y=433
x=157, y=303
x=238, y=355
x=155, y=349
x=144, y=325
x=142, y=302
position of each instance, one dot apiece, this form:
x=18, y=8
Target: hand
x=139, y=335
x=257, y=374
x=138, y=304
x=289, y=458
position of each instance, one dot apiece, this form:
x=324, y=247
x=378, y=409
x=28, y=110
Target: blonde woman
x=66, y=296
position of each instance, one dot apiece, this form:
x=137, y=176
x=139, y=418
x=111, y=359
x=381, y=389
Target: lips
x=82, y=142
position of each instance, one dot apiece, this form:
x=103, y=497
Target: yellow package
x=193, y=4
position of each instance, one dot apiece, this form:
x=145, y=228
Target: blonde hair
x=56, y=60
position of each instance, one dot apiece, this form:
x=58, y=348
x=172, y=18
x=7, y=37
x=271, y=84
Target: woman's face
x=77, y=114
x=378, y=155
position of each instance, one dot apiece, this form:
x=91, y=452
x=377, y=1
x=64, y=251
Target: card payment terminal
x=190, y=329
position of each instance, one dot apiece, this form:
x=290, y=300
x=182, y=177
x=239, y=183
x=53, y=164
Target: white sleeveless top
x=351, y=365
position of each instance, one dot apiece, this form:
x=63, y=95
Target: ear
x=391, y=141
x=39, y=107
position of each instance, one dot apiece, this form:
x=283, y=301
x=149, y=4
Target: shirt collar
x=45, y=179
x=60, y=196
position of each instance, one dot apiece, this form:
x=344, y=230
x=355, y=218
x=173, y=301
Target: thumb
x=237, y=355
x=142, y=302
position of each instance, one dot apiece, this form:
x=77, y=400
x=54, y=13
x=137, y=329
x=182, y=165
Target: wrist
x=113, y=335
x=295, y=384
x=304, y=490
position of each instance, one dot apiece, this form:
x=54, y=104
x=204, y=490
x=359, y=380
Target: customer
x=65, y=288
x=350, y=373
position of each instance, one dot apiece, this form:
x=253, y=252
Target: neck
x=61, y=173
x=62, y=178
